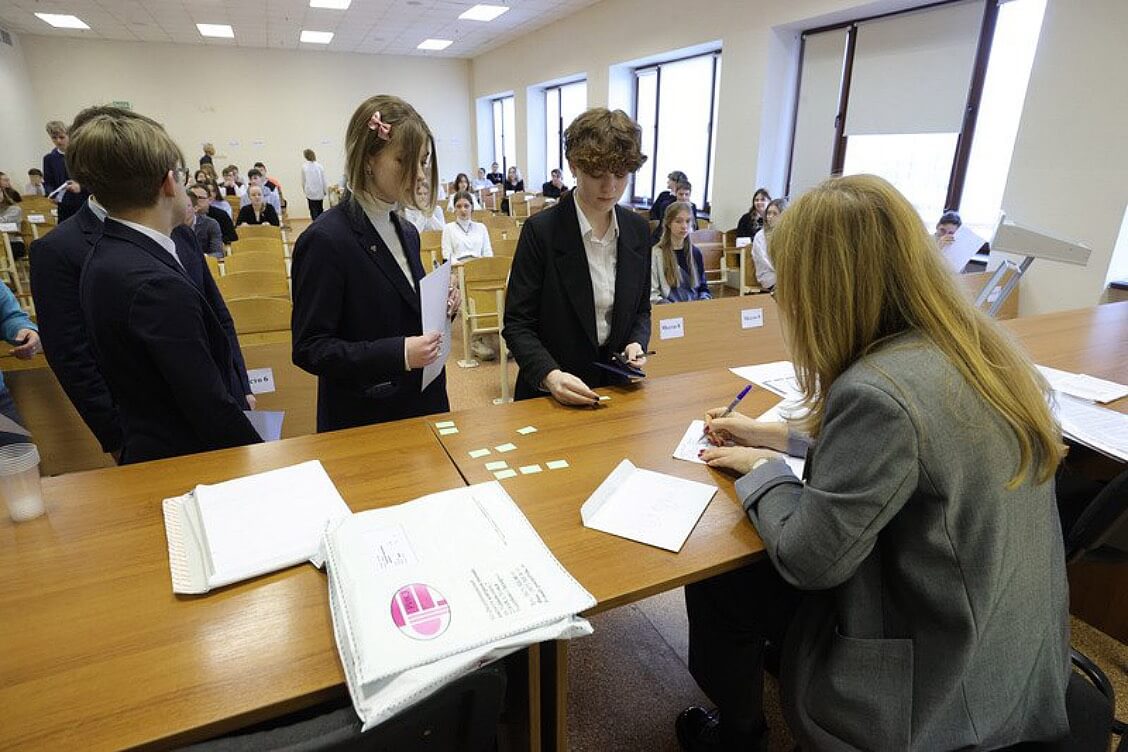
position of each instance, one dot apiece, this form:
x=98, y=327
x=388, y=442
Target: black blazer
x=247, y=216
x=56, y=266
x=226, y=226
x=161, y=349
x=550, y=307
x=353, y=307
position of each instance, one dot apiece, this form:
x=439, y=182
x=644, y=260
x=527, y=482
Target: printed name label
x=262, y=380
x=751, y=318
x=671, y=328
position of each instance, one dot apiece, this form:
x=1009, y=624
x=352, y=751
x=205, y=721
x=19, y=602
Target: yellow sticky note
x=556, y=464
x=603, y=398
x=476, y=453
x=503, y=474
x=530, y=469
x=499, y=465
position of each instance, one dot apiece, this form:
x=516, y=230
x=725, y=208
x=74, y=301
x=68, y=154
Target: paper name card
x=262, y=380
x=671, y=328
x=9, y=227
x=751, y=318
x=642, y=505
x=743, y=242
x=36, y=219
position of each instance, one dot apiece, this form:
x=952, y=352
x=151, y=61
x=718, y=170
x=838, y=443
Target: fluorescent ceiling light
x=317, y=37
x=334, y=4
x=434, y=44
x=62, y=20
x=483, y=12
x=223, y=31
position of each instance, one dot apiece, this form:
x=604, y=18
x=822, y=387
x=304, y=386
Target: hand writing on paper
x=423, y=350
x=636, y=356
x=568, y=389
x=28, y=346
x=738, y=459
x=741, y=429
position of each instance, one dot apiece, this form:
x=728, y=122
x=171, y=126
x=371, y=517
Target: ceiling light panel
x=316, y=37
x=483, y=12
x=331, y=4
x=223, y=31
x=62, y=20
x=435, y=44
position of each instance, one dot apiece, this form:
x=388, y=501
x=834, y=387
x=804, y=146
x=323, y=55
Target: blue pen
x=732, y=406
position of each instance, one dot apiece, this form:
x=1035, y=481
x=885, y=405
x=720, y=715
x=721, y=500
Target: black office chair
x=1096, y=520
x=460, y=717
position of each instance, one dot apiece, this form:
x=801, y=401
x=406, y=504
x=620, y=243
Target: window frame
x=497, y=104
x=556, y=90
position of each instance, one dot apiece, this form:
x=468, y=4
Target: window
x=562, y=105
x=929, y=99
x=675, y=103
x=505, y=132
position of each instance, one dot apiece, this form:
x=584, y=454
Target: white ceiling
x=386, y=27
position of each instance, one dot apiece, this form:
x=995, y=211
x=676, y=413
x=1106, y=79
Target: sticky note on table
x=476, y=453
x=503, y=448
x=556, y=464
x=526, y=430
x=447, y=431
x=503, y=474
x=603, y=398
x=445, y=424
x=498, y=465
x=530, y=469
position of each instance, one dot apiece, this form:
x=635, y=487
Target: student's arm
x=521, y=327
x=863, y=472
x=702, y=289
x=271, y=216
x=13, y=320
x=319, y=291
x=171, y=324
x=215, y=241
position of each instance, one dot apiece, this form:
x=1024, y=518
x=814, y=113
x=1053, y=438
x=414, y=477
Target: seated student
x=918, y=589
x=356, y=323
x=35, y=185
x=200, y=177
x=256, y=178
x=555, y=187
x=481, y=181
x=209, y=171
x=220, y=210
x=271, y=184
x=682, y=192
x=465, y=239
x=159, y=345
x=494, y=176
x=18, y=330
x=207, y=230
x=673, y=279
x=462, y=184
x=11, y=211
x=752, y=221
x=765, y=272
x=231, y=185
x=579, y=290
x=257, y=212
x=513, y=180
x=667, y=197
x=55, y=175
x=946, y=228
x=429, y=218
x=209, y=153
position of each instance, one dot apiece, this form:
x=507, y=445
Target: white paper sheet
x=433, y=292
x=268, y=423
x=1097, y=427
x=778, y=377
x=1084, y=386
x=693, y=442
x=964, y=245
x=645, y=506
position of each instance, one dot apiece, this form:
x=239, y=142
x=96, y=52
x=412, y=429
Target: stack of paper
x=246, y=527
x=423, y=592
x=1083, y=386
x=1096, y=427
x=433, y=292
x=778, y=377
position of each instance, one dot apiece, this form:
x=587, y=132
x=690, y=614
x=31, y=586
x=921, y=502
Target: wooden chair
x=213, y=266
x=519, y=205
x=255, y=261
x=253, y=285
x=703, y=224
x=259, y=314
x=505, y=247
x=711, y=244
x=236, y=204
x=430, y=247
x=489, y=198
x=247, y=232
x=481, y=215
x=273, y=246
x=482, y=283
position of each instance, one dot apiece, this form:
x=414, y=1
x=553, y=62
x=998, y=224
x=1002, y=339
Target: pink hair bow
x=383, y=130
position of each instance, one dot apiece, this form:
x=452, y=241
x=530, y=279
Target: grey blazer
x=942, y=621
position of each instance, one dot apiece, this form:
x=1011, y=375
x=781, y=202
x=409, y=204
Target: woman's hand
x=568, y=389
x=740, y=429
x=422, y=350
x=738, y=459
x=636, y=356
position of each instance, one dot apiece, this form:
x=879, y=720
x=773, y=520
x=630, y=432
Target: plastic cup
x=19, y=481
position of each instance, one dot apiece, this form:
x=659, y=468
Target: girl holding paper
x=916, y=580
x=357, y=323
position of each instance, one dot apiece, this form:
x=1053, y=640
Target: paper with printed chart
x=1096, y=427
x=434, y=289
x=425, y=591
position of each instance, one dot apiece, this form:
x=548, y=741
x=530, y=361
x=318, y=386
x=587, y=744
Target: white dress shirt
x=602, y=255
x=465, y=240
x=164, y=241
x=99, y=210
x=765, y=272
x=422, y=221
x=379, y=213
x=313, y=181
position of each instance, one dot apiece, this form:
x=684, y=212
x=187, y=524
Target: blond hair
x=56, y=128
x=665, y=245
x=601, y=140
x=121, y=157
x=409, y=134
x=855, y=267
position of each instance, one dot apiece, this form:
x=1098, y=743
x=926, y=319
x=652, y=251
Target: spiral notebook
x=227, y=532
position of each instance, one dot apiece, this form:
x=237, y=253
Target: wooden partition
x=713, y=335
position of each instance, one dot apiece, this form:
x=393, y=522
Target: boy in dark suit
x=159, y=345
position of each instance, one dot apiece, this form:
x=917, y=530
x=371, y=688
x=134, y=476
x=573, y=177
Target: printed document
x=433, y=292
x=1096, y=427
x=1083, y=386
x=694, y=441
x=964, y=245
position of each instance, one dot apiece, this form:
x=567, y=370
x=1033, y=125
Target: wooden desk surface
x=96, y=651
x=643, y=424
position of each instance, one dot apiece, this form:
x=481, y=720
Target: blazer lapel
x=378, y=252
x=150, y=246
x=630, y=269
x=572, y=266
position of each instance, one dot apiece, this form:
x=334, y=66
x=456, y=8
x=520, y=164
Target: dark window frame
x=548, y=91
x=501, y=160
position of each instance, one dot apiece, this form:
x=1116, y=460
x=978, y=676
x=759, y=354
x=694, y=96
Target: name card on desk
x=262, y=380
x=751, y=318
x=671, y=328
x=36, y=219
x=9, y=227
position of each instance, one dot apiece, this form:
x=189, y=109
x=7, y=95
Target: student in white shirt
x=482, y=181
x=423, y=221
x=313, y=184
x=765, y=271
x=462, y=184
x=465, y=239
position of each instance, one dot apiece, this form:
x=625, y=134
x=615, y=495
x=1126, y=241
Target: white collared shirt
x=164, y=241
x=462, y=242
x=99, y=210
x=602, y=255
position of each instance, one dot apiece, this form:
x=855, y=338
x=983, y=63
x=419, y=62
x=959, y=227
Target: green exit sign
x=122, y=104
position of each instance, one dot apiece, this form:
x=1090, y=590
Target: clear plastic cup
x=19, y=481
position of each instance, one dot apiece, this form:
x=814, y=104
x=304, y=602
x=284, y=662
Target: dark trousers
x=731, y=618
x=315, y=207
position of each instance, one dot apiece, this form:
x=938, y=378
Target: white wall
x=272, y=103
x=1070, y=165
x=23, y=142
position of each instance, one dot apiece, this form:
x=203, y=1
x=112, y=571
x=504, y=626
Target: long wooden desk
x=98, y=653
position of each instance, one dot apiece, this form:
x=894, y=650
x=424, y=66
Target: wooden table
x=98, y=653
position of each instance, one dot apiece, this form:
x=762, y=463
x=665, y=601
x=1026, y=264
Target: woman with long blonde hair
x=677, y=268
x=926, y=531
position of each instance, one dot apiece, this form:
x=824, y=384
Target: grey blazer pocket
x=863, y=693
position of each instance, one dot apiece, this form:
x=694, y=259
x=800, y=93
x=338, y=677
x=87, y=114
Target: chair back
x=273, y=246
x=430, y=239
x=700, y=237
x=481, y=215
x=703, y=224
x=255, y=261
x=252, y=315
x=480, y=280
x=213, y=265
x=236, y=204
x=259, y=231
x=519, y=205
x=253, y=285
x=505, y=246
x=730, y=238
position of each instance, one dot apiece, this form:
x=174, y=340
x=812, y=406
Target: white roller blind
x=912, y=71
x=820, y=80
